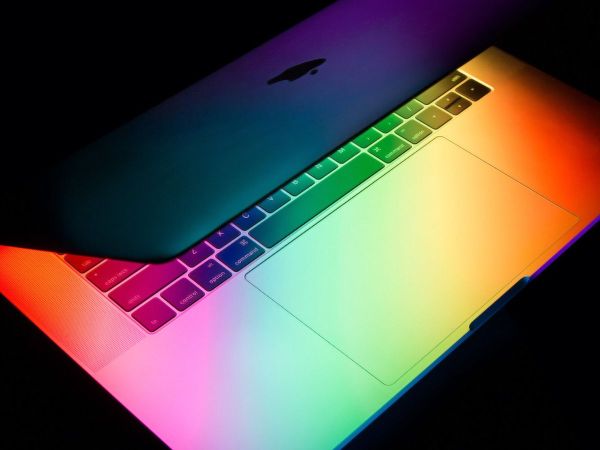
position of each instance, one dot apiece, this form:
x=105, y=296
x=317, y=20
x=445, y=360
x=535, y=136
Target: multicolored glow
x=236, y=369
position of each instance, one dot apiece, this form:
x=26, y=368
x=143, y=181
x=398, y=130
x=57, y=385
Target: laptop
x=310, y=312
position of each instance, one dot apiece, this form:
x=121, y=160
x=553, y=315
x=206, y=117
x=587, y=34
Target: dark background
x=524, y=380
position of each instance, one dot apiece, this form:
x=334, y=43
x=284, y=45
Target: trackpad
x=392, y=272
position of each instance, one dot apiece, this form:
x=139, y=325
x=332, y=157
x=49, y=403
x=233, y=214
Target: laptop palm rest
x=397, y=268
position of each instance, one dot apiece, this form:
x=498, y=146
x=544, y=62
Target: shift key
x=149, y=281
x=112, y=272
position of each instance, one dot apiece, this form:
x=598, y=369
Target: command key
x=241, y=253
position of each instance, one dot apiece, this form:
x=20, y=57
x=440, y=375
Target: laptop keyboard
x=155, y=294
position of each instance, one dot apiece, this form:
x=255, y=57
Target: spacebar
x=315, y=200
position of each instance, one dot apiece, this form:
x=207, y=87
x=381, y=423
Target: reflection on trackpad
x=395, y=270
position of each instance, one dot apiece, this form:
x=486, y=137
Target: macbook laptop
x=304, y=317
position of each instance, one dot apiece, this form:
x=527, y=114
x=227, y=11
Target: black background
x=525, y=380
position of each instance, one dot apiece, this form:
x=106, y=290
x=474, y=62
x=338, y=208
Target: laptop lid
x=155, y=186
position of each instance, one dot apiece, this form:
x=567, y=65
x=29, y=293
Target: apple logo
x=297, y=71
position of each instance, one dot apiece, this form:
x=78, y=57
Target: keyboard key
x=441, y=87
x=299, y=185
x=345, y=153
x=146, y=283
x=153, y=315
x=300, y=211
x=473, y=90
x=413, y=131
x=388, y=123
x=447, y=100
x=409, y=109
x=223, y=236
x=112, y=272
x=367, y=138
x=82, y=263
x=434, y=117
x=210, y=275
x=322, y=169
x=274, y=201
x=182, y=294
x=196, y=254
x=389, y=148
x=459, y=106
x=241, y=253
x=249, y=218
